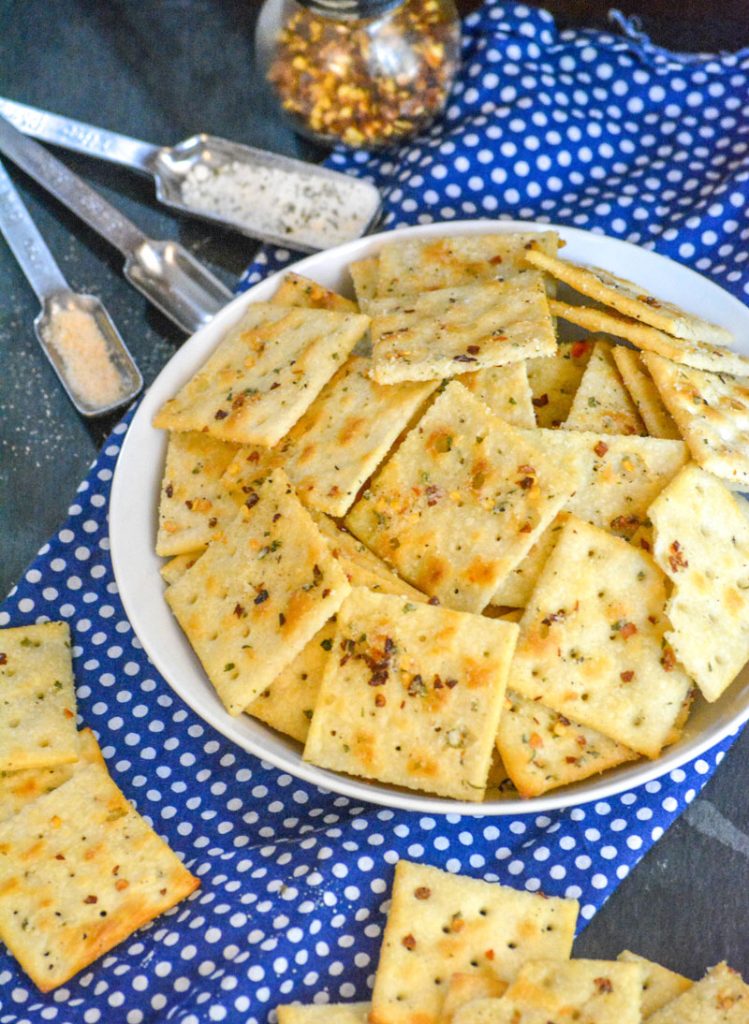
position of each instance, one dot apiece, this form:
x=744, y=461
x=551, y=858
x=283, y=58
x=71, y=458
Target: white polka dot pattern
x=589, y=129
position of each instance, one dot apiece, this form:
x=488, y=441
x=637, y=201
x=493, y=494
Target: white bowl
x=133, y=521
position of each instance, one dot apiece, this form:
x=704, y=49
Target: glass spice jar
x=367, y=73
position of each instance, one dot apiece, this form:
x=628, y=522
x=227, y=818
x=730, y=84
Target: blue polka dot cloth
x=601, y=131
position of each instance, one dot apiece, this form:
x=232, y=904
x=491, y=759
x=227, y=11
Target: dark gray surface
x=162, y=70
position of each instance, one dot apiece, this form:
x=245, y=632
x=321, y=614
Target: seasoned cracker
x=554, y=380
x=712, y=412
x=467, y=988
x=362, y=567
x=345, y=434
x=602, y=403
x=621, y=477
x=440, y=924
x=323, y=1013
x=550, y=991
x=639, y=383
x=297, y=290
x=364, y=274
x=37, y=709
x=415, y=265
x=462, y=500
x=659, y=985
x=288, y=703
x=193, y=502
x=19, y=788
x=592, y=641
x=412, y=695
x=85, y=870
x=542, y=749
x=630, y=299
x=258, y=594
x=505, y=391
x=721, y=997
x=701, y=541
x=450, y=331
x=177, y=566
x=264, y=374
x=700, y=354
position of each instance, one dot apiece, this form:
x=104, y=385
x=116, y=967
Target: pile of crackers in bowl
x=444, y=550
x=459, y=950
x=80, y=869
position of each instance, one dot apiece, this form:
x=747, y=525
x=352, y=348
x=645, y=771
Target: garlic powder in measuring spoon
x=90, y=373
x=309, y=210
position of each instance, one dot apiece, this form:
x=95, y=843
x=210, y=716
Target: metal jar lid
x=350, y=8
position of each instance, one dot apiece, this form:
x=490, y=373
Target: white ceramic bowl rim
x=134, y=500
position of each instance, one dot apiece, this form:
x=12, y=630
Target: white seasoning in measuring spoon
x=75, y=336
x=273, y=201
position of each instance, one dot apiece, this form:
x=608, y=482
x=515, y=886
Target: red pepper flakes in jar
x=367, y=73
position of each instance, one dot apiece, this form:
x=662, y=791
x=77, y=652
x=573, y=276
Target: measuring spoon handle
x=78, y=136
x=26, y=242
x=71, y=190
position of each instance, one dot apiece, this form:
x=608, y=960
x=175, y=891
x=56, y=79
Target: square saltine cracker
x=629, y=299
x=345, y=434
x=712, y=413
x=462, y=500
x=592, y=641
x=701, y=542
x=447, y=332
x=413, y=265
x=37, y=691
x=194, y=503
x=721, y=997
x=411, y=695
x=264, y=374
x=542, y=749
x=259, y=593
x=550, y=991
x=80, y=871
x=440, y=924
x=620, y=478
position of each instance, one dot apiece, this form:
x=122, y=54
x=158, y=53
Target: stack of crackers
x=442, y=548
x=458, y=950
x=80, y=869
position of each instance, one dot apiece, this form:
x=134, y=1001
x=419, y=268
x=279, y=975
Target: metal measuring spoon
x=123, y=379
x=292, y=190
x=165, y=272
